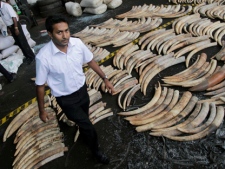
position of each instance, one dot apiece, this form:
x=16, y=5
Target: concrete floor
x=126, y=147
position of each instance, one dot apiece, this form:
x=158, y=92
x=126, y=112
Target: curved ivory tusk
x=198, y=63
x=198, y=81
x=121, y=94
x=153, y=115
x=207, y=123
x=95, y=97
x=197, y=50
x=147, y=106
x=167, y=32
x=210, y=81
x=201, y=71
x=96, y=106
x=121, y=52
x=55, y=135
x=160, y=45
x=156, y=105
x=173, y=130
x=127, y=83
x=122, y=60
x=217, y=87
x=186, y=111
x=146, y=36
x=160, y=41
x=102, y=117
x=213, y=126
x=156, y=119
x=96, y=112
x=188, y=41
x=198, y=120
x=152, y=37
x=182, y=103
x=190, y=47
x=171, y=62
x=131, y=93
x=176, y=40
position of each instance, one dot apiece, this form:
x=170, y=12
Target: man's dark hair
x=54, y=19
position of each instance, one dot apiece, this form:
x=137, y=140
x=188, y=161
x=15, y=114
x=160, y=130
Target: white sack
x=1, y=56
x=6, y=42
x=99, y=10
x=91, y=3
x=31, y=42
x=106, y=1
x=73, y=8
x=25, y=31
x=9, y=51
x=114, y=4
x=19, y=52
x=12, y=63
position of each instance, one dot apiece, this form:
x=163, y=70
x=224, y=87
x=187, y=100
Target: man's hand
x=44, y=116
x=109, y=86
x=17, y=32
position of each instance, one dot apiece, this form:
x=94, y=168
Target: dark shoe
x=13, y=77
x=102, y=158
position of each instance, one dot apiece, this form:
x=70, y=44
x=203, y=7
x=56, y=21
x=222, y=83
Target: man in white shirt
x=10, y=18
x=59, y=63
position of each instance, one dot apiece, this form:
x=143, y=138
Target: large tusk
x=147, y=106
x=171, y=62
x=157, y=118
x=212, y=80
x=144, y=113
x=197, y=50
x=198, y=120
x=182, y=103
x=212, y=127
x=152, y=116
x=173, y=130
x=216, y=87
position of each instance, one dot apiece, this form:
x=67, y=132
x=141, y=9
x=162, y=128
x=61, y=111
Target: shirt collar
x=56, y=50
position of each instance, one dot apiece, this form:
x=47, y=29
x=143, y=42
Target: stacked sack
x=7, y=46
x=91, y=6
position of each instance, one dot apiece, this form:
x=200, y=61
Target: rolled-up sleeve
x=41, y=72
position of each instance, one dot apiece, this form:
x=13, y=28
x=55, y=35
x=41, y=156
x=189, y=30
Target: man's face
x=60, y=34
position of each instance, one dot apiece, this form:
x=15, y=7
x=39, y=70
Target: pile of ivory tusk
x=197, y=26
x=37, y=142
x=194, y=1
x=169, y=11
x=195, y=74
x=98, y=53
x=104, y=37
x=127, y=99
x=147, y=64
x=166, y=41
x=214, y=10
x=141, y=25
x=181, y=119
x=119, y=78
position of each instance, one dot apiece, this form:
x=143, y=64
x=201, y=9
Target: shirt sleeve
x=11, y=11
x=88, y=55
x=41, y=72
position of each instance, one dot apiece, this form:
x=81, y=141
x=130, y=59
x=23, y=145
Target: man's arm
x=40, y=92
x=15, y=26
x=92, y=64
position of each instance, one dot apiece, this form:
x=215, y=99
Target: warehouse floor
x=126, y=148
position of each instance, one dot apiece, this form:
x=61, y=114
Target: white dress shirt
x=63, y=72
x=6, y=13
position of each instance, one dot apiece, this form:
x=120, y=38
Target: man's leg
x=21, y=41
x=76, y=109
x=6, y=74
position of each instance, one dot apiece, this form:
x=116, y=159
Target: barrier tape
x=19, y=109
